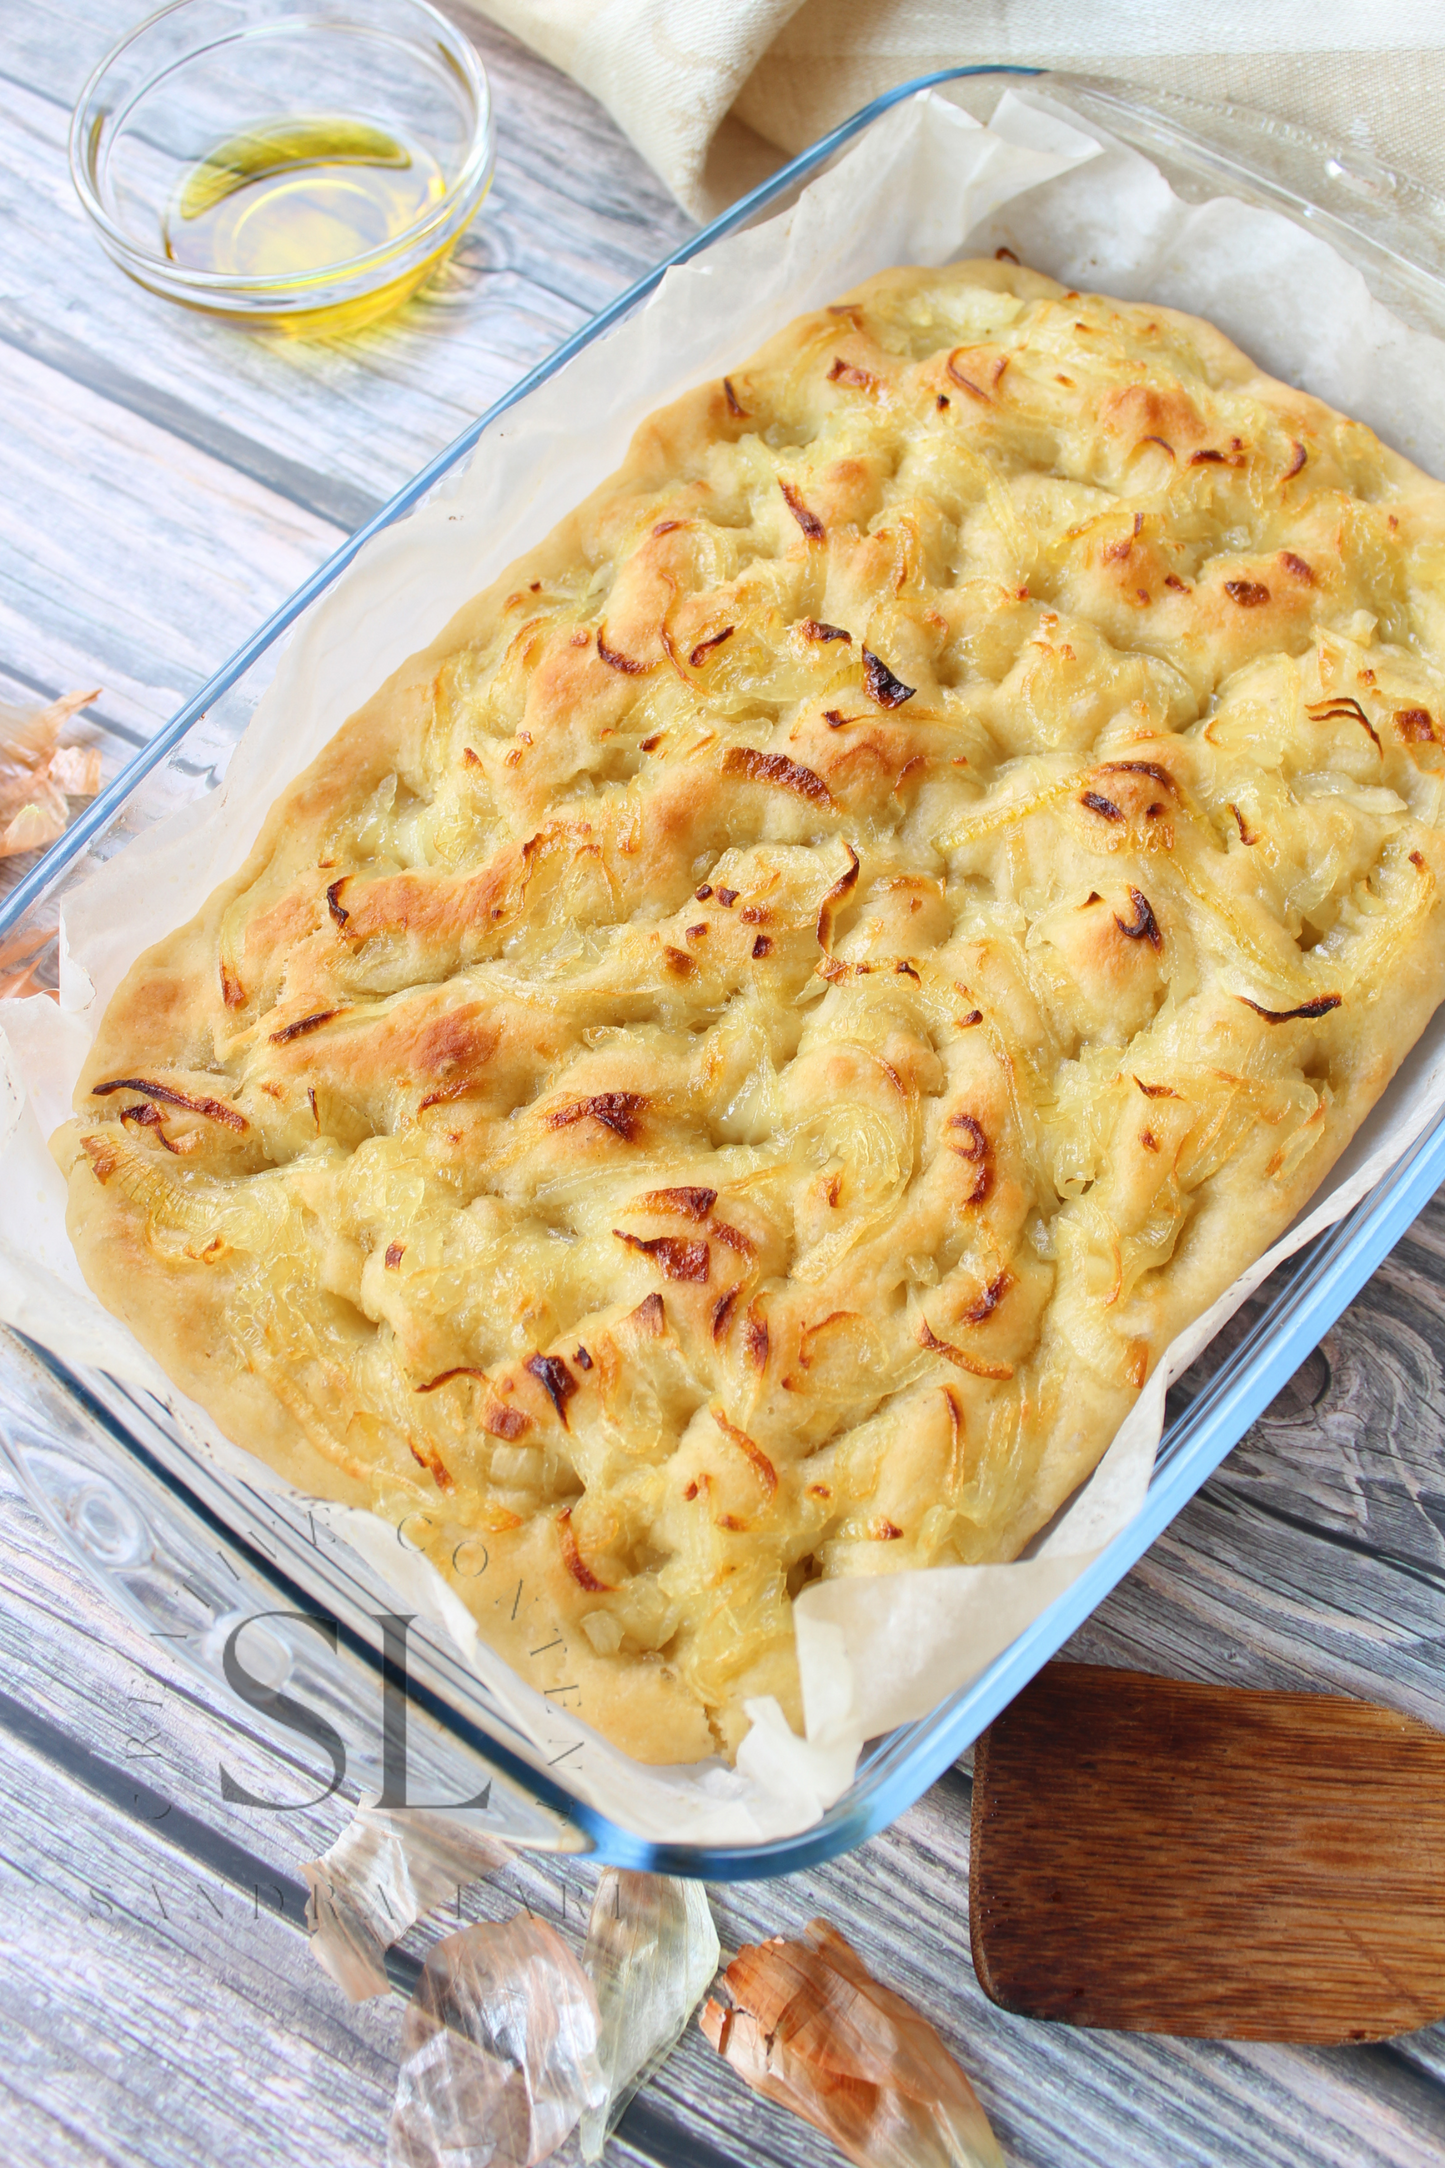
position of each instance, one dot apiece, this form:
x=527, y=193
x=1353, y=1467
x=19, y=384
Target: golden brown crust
x=735, y=1063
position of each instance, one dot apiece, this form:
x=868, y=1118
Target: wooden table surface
x=164, y=482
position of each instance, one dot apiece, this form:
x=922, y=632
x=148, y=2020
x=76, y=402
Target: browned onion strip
x=214, y=1109
x=1307, y=1009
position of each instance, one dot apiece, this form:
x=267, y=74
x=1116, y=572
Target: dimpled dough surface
x=735, y=1063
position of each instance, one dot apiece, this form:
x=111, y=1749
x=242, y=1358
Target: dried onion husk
x=37, y=775
x=651, y=1954
x=383, y=1873
x=811, y=2028
x=499, y=2050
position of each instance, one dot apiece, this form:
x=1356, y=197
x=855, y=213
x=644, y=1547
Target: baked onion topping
x=733, y=1068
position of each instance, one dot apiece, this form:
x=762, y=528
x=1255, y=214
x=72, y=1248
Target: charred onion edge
x=988, y=1301
x=705, y=647
x=1408, y=722
x=883, y=688
x=426, y=1456
x=462, y=1370
x=978, y=1152
x=299, y=1029
x=677, y=1258
x=615, y=660
x=573, y=1560
x=808, y=1332
x=213, y=1108
x=692, y=1203
x=1145, y=926
x=733, y=1237
x=617, y=1111
x=841, y=888
x=445, y=1093
x=777, y=769
x=929, y=1340
x=753, y=1453
x=147, y=1116
x=1321, y=1006
x=556, y=1381
x=1342, y=708
x=810, y=523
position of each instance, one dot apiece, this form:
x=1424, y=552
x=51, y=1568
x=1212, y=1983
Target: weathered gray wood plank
x=162, y=2017
x=129, y=495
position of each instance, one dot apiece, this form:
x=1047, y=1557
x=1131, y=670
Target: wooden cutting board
x=1160, y=1857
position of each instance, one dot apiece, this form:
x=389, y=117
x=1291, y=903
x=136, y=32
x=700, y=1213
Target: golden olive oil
x=307, y=195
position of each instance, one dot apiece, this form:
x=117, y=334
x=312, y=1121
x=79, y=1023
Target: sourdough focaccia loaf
x=735, y=1063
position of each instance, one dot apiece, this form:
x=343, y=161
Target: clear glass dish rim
x=1317, y=1288
x=310, y=288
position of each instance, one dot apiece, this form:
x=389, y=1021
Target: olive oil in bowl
x=295, y=196
x=287, y=165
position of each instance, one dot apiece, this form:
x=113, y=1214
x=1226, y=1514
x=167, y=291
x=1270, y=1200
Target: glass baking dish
x=190, y=1550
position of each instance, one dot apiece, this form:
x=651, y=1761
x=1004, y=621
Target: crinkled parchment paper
x=923, y=186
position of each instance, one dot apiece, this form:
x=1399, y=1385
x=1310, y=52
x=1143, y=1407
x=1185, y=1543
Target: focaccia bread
x=735, y=1063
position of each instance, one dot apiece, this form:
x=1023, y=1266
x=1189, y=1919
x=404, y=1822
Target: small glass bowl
x=202, y=80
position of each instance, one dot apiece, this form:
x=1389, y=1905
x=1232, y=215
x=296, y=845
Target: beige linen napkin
x=712, y=91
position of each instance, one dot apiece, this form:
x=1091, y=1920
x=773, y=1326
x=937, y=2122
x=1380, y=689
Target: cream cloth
x=711, y=91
